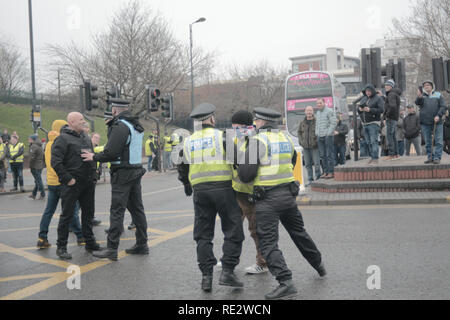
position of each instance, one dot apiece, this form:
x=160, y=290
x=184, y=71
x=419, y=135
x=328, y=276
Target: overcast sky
x=240, y=31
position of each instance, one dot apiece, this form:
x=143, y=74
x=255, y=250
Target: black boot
x=285, y=288
x=111, y=254
x=96, y=222
x=93, y=246
x=138, y=249
x=228, y=278
x=207, y=282
x=321, y=270
x=63, y=254
x=132, y=226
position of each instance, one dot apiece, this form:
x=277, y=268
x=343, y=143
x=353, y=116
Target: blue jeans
x=149, y=164
x=326, y=150
x=364, y=148
x=401, y=148
x=427, y=131
x=340, y=154
x=372, y=132
x=391, y=136
x=54, y=193
x=38, y=185
x=312, y=157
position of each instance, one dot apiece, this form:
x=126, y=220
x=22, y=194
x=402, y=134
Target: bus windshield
x=309, y=85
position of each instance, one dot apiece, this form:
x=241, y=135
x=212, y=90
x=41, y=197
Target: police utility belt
x=260, y=193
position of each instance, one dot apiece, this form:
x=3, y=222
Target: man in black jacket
x=370, y=109
x=124, y=151
x=340, y=135
x=77, y=182
x=391, y=116
x=411, y=128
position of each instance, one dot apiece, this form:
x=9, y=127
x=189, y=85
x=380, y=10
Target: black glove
x=188, y=189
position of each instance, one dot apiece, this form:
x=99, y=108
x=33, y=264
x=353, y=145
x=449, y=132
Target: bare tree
x=137, y=49
x=13, y=69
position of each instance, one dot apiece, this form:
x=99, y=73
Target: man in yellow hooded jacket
x=54, y=193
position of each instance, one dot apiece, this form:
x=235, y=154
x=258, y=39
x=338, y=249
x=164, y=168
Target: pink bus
x=304, y=89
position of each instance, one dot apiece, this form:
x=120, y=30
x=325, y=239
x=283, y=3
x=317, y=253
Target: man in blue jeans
x=370, y=109
x=325, y=126
x=432, y=109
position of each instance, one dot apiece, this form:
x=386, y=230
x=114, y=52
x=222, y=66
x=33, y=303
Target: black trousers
x=17, y=173
x=206, y=206
x=126, y=196
x=279, y=205
x=84, y=192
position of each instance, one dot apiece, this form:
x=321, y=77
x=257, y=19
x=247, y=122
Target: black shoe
x=81, y=242
x=285, y=288
x=321, y=270
x=207, y=282
x=111, y=254
x=138, y=249
x=132, y=226
x=22, y=190
x=63, y=254
x=96, y=222
x=43, y=244
x=94, y=246
x=14, y=190
x=228, y=278
x=429, y=161
x=106, y=231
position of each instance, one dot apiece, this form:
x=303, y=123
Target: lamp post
x=192, y=64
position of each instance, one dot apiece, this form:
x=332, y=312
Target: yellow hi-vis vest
x=100, y=149
x=205, y=154
x=13, y=150
x=238, y=185
x=167, y=145
x=148, y=150
x=276, y=164
x=2, y=149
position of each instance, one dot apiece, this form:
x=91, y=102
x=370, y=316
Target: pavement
x=406, y=245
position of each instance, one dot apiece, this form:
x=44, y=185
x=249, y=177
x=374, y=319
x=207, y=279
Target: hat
x=410, y=106
x=428, y=81
x=242, y=117
x=119, y=103
x=203, y=112
x=390, y=83
x=33, y=137
x=266, y=114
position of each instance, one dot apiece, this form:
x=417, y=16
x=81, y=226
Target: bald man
x=77, y=182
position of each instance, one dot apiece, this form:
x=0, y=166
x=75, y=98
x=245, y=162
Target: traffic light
x=152, y=100
x=90, y=95
x=371, y=66
x=112, y=93
x=167, y=106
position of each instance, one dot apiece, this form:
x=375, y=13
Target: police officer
x=206, y=173
x=124, y=151
x=275, y=191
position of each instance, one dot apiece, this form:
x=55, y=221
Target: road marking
x=59, y=277
x=377, y=207
x=161, y=191
x=29, y=276
x=5, y=216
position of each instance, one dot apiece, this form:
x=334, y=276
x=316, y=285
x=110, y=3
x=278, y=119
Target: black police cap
x=119, y=103
x=203, y=111
x=266, y=114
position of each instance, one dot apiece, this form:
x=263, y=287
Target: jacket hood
x=52, y=135
x=126, y=115
x=371, y=88
x=58, y=124
x=37, y=142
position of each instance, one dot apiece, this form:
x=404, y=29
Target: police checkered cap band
x=119, y=105
x=203, y=118
x=265, y=117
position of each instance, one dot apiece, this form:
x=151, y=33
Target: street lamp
x=192, y=65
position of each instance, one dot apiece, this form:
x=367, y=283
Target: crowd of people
x=381, y=124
